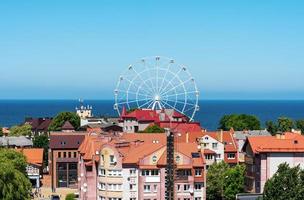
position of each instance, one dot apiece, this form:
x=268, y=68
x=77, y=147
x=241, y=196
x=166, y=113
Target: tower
x=84, y=111
x=170, y=167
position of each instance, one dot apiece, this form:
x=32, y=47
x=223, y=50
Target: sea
x=13, y=112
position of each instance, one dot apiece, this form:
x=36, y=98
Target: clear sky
x=77, y=49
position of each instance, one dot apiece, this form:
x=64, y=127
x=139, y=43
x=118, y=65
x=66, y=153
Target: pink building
x=132, y=167
x=263, y=155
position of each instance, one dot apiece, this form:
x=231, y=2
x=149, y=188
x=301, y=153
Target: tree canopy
x=154, y=129
x=17, y=159
x=286, y=183
x=61, y=118
x=14, y=183
x=300, y=125
x=25, y=130
x=239, y=122
x=1, y=132
x=224, y=182
x=42, y=141
x=283, y=124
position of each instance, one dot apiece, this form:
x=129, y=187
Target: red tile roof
x=181, y=127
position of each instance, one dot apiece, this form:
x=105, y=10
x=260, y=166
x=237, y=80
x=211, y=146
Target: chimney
x=220, y=135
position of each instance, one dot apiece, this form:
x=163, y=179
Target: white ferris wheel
x=157, y=83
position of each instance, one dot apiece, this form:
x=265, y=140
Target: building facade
x=63, y=158
x=263, y=155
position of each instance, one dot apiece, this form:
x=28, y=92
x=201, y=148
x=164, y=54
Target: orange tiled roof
x=33, y=156
x=289, y=142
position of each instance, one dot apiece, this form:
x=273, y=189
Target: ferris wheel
x=157, y=83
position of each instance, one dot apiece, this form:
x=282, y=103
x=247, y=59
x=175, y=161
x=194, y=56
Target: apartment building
x=263, y=155
x=133, y=167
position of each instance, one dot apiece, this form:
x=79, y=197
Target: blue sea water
x=13, y=112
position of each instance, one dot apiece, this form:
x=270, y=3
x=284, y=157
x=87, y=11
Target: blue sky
x=77, y=49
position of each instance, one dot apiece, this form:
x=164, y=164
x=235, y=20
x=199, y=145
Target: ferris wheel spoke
x=182, y=102
x=132, y=92
x=149, y=101
x=174, y=76
x=176, y=86
x=164, y=77
x=172, y=107
x=178, y=94
x=131, y=101
x=132, y=83
x=149, y=87
x=148, y=71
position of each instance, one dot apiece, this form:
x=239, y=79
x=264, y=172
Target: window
x=112, y=159
x=231, y=155
x=132, y=172
x=186, y=187
x=147, y=188
x=218, y=156
x=64, y=154
x=114, y=198
x=184, y=172
x=69, y=154
x=154, y=159
x=205, y=144
x=114, y=187
x=132, y=187
x=178, y=187
x=198, y=172
x=101, y=186
x=59, y=154
x=198, y=186
x=101, y=172
x=209, y=156
x=102, y=157
x=214, y=145
x=101, y=198
x=132, y=198
x=115, y=173
x=153, y=172
x=198, y=198
x=177, y=158
x=75, y=154
x=155, y=188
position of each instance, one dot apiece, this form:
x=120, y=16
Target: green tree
x=271, y=127
x=224, y=182
x=17, y=159
x=300, y=125
x=154, y=129
x=285, y=124
x=286, y=183
x=239, y=122
x=25, y=130
x=215, y=180
x=234, y=182
x=62, y=117
x=70, y=196
x=42, y=141
x=14, y=183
